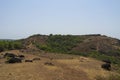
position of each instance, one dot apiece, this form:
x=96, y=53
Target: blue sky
x=22, y=18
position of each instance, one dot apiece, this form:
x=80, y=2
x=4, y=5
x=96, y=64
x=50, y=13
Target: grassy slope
x=77, y=68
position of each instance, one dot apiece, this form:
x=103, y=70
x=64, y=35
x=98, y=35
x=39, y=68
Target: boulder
x=106, y=66
x=9, y=55
x=14, y=60
x=28, y=60
x=21, y=57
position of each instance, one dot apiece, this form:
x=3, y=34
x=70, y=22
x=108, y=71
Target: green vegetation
x=60, y=43
x=100, y=56
x=10, y=45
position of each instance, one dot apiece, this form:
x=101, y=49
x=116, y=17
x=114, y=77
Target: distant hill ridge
x=93, y=45
x=76, y=44
x=6, y=40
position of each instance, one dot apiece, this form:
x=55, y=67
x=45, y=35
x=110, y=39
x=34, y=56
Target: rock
x=14, y=60
x=28, y=61
x=9, y=55
x=106, y=66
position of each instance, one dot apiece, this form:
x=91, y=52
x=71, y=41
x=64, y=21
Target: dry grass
x=78, y=68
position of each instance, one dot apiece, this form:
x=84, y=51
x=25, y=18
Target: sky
x=23, y=18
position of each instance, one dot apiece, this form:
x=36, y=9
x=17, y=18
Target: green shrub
x=62, y=43
x=59, y=43
x=9, y=45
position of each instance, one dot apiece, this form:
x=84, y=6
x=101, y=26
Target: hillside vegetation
x=59, y=43
x=9, y=45
x=97, y=46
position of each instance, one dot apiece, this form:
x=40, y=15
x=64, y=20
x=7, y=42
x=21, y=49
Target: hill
x=62, y=57
x=77, y=44
x=94, y=45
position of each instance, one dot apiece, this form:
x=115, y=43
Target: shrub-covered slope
x=75, y=44
x=10, y=45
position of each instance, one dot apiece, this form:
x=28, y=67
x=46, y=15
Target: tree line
x=9, y=45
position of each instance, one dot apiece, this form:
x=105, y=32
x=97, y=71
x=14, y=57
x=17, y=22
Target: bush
x=10, y=45
x=102, y=57
x=61, y=43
